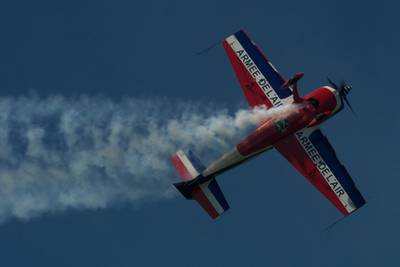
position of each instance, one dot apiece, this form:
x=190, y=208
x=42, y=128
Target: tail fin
x=188, y=167
x=205, y=190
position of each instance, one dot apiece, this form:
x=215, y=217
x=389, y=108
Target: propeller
x=344, y=89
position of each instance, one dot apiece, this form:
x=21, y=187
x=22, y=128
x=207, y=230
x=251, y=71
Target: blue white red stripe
x=210, y=197
x=208, y=194
x=264, y=65
x=183, y=165
x=328, y=154
x=323, y=157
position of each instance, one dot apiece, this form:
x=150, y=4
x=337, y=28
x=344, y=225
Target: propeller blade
x=344, y=89
x=348, y=104
x=334, y=85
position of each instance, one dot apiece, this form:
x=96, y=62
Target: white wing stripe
x=324, y=169
x=253, y=70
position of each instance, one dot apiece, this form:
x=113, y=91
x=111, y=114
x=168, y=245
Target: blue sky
x=148, y=49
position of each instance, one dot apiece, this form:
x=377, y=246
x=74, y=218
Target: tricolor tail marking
x=205, y=190
x=184, y=166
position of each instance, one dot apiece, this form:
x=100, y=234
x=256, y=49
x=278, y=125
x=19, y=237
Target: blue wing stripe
x=327, y=152
x=273, y=77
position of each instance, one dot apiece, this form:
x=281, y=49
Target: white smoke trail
x=58, y=153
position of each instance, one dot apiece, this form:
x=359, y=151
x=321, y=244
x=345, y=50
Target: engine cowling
x=326, y=101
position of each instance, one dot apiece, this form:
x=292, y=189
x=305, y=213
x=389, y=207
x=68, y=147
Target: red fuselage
x=312, y=110
x=273, y=130
x=316, y=107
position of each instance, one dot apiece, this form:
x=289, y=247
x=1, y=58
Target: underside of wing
x=310, y=152
x=260, y=81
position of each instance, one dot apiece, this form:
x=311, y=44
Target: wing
x=260, y=81
x=313, y=156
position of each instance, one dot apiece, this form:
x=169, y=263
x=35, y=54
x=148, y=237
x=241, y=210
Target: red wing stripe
x=292, y=150
x=254, y=95
x=260, y=81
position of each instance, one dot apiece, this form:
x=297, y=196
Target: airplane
x=295, y=134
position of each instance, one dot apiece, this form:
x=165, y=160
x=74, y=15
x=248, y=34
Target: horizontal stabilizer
x=211, y=198
x=205, y=190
